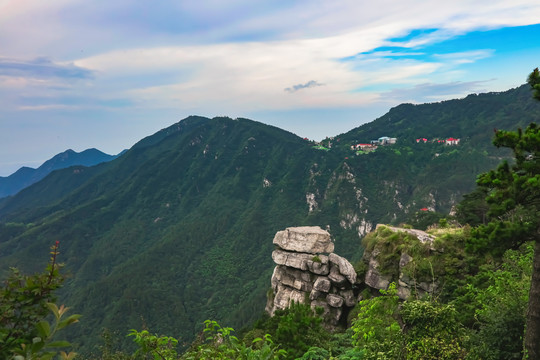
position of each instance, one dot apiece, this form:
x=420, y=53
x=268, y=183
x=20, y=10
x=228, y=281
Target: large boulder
x=294, y=278
x=322, y=284
x=319, y=266
x=283, y=298
x=345, y=267
x=348, y=296
x=374, y=278
x=334, y=300
x=304, y=239
x=336, y=277
x=291, y=259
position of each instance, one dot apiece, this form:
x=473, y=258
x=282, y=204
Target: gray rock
x=291, y=277
x=345, y=267
x=319, y=268
x=291, y=259
x=305, y=239
x=315, y=294
x=284, y=297
x=404, y=260
x=348, y=296
x=330, y=314
x=334, y=300
x=322, y=284
x=374, y=279
x=336, y=277
x=406, y=279
x=403, y=292
x=323, y=281
x=274, y=281
x=422, y=236
x=428, y=287
x=321, y=303
x=335, y=315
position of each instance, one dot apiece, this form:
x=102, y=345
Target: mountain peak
x=27, y=176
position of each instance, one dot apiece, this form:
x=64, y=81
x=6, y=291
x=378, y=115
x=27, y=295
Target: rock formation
x=378, y=278
x=307, y=271
x=306, y=274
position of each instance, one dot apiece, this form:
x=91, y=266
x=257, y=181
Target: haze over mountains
x=27, y=176
x=179, y=228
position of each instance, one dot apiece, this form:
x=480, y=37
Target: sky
x=79, y=74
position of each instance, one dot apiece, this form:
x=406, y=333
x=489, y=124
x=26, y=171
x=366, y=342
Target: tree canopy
x=513, y=195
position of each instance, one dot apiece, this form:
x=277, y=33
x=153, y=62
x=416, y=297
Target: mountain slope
x=471, y=119
x=26, y=176
x=179, y=228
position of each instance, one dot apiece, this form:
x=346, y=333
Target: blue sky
x=80, y=74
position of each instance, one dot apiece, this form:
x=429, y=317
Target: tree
x=514, y=207
x=534, y=81
x=499, y=294
x=376, y=329
x=25, y=302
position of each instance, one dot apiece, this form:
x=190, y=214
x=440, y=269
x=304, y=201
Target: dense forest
x=178, y=230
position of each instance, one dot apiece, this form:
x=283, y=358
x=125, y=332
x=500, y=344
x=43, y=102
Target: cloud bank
x=85, y=70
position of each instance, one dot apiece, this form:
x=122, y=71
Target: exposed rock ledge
x=305, y=274
x=307, y=271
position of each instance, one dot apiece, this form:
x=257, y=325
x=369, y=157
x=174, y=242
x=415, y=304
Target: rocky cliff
x=307, y=271
x=404, y=256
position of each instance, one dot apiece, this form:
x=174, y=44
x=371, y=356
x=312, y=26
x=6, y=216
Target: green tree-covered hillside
x=179, y=228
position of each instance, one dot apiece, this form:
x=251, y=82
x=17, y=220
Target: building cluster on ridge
x=383, y=140
x=449, y=141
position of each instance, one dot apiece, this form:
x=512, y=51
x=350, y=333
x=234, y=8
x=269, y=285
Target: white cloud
x=429, y=92
x=465, y=57
x=212, y=57
x=308, y=45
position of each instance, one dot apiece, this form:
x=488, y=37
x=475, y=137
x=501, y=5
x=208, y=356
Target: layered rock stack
x=308, y=271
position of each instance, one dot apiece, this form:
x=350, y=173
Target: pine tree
x=514, y=201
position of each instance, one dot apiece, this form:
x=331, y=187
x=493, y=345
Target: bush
x=25, y=301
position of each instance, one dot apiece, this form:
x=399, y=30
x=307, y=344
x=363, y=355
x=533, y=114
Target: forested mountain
x=26, y=176
x=179, y=228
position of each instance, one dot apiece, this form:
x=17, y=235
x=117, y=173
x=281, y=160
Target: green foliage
x=423, y=219
x=534, y=81
x=432, y=331
x=376, y=329
x=497, y=236
x=204, y=197
x=472, y=210
x=428, y=330
x=43, y=345
x=511, y=193
x=296, y=329
x=25, y=302
x=339, y=347
x=153, y=346
x=499, y=297
x=219, y=343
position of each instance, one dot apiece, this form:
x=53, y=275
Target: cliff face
x=307, y=271
x=395, y=255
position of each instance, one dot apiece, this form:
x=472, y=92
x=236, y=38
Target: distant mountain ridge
x=179, y=228
x=26, y=176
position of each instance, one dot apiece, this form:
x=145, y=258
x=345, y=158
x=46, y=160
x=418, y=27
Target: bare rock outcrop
x=305, y=239
x=307, y=271
x=380, y=278
x=304, y=273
